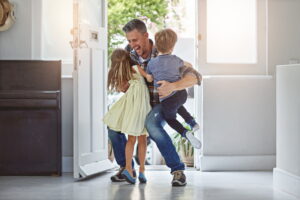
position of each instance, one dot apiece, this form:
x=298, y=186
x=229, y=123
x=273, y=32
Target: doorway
x=178, y=15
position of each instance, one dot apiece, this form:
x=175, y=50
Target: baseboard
x=67, y=164
x=237, y=163
x=286, y=182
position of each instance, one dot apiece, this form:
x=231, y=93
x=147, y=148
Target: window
x=233, y=37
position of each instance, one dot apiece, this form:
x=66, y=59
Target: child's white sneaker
x=192, y=139
x=196, y=128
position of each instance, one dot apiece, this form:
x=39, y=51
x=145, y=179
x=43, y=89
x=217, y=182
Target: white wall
x=23, y=40
x=56, y=35
x=67, y=123
x=238, y=123
x=56, y=30
x=287, y=171
x=283, y=33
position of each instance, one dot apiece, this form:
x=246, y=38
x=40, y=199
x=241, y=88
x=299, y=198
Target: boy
x=168, y=67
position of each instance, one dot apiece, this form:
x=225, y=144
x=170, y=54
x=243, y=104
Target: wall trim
x=66, y=76
x=237, y=163
x=238, y=76
x=67, y=164
x=286, y=182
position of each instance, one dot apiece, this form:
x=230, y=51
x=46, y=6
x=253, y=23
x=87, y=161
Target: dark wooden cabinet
x=30, y=117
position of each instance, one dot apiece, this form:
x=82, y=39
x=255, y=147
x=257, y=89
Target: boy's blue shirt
x=165, y=67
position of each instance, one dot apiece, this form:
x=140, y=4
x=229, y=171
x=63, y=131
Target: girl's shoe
x=128, y=177
x=142, y=178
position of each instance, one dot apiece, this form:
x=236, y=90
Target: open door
x=90, y=69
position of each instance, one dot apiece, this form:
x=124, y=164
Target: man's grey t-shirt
x=165, y=67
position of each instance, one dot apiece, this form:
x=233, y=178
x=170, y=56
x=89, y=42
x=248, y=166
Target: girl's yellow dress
x=128, y=114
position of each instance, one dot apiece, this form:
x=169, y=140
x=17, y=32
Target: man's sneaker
x=118, y=177
x=179, y=178
x=193, y=140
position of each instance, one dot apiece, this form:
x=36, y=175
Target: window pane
x=231, y=31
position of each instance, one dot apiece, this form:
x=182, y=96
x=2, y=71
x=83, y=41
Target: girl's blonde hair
x=120, y=71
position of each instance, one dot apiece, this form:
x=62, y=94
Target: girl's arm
x=149, y=77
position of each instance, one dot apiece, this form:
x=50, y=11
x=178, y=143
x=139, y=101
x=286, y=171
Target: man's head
x=138, y=37
x=165, y=40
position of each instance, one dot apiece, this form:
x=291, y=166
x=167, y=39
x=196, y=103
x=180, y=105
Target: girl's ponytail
x=120, y=71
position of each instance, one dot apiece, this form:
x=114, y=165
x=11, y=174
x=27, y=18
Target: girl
x=128, y=114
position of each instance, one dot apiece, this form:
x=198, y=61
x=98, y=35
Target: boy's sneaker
x=195, y=128
x=192, y=139
x=118, y=177
x=179, y=178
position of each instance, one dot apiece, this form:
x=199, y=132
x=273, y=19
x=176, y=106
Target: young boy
x=168, y=67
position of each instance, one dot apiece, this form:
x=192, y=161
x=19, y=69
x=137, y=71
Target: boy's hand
x=165, y=88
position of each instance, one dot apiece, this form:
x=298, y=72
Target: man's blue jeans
x=154, y=125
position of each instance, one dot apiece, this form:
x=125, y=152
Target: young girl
x=128, y=114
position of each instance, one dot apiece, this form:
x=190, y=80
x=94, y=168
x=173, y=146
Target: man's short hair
x=165, y=40
x=137, y=24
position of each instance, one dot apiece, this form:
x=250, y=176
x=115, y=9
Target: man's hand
x=165, y=88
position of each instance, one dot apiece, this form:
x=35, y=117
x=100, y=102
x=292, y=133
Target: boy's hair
x=165, y=40
x=120, y=71
x=137, y=24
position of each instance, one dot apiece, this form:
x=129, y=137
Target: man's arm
x=167, y=88
x=187, y=64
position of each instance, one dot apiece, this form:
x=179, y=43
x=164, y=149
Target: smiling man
x=141, y=50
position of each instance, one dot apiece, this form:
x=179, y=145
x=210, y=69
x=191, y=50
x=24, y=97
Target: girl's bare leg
x=142, y=145
x=129, y=153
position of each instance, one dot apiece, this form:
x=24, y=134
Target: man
x=141, y=50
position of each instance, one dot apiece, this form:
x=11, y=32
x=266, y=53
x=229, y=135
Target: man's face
x=138, y=41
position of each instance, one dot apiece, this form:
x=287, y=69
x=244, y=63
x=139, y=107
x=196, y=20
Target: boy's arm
x=149, y=77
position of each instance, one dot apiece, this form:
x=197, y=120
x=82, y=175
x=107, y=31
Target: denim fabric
x=173, y=105
x=118, y=141
x=154, y=125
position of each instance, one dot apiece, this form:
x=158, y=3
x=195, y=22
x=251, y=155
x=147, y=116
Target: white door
x=90, y=69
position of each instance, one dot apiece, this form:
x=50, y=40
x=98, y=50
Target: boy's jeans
x=154, y=125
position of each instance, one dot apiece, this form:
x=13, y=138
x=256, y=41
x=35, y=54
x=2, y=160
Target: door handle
x=83, y=44
x=72, y=44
